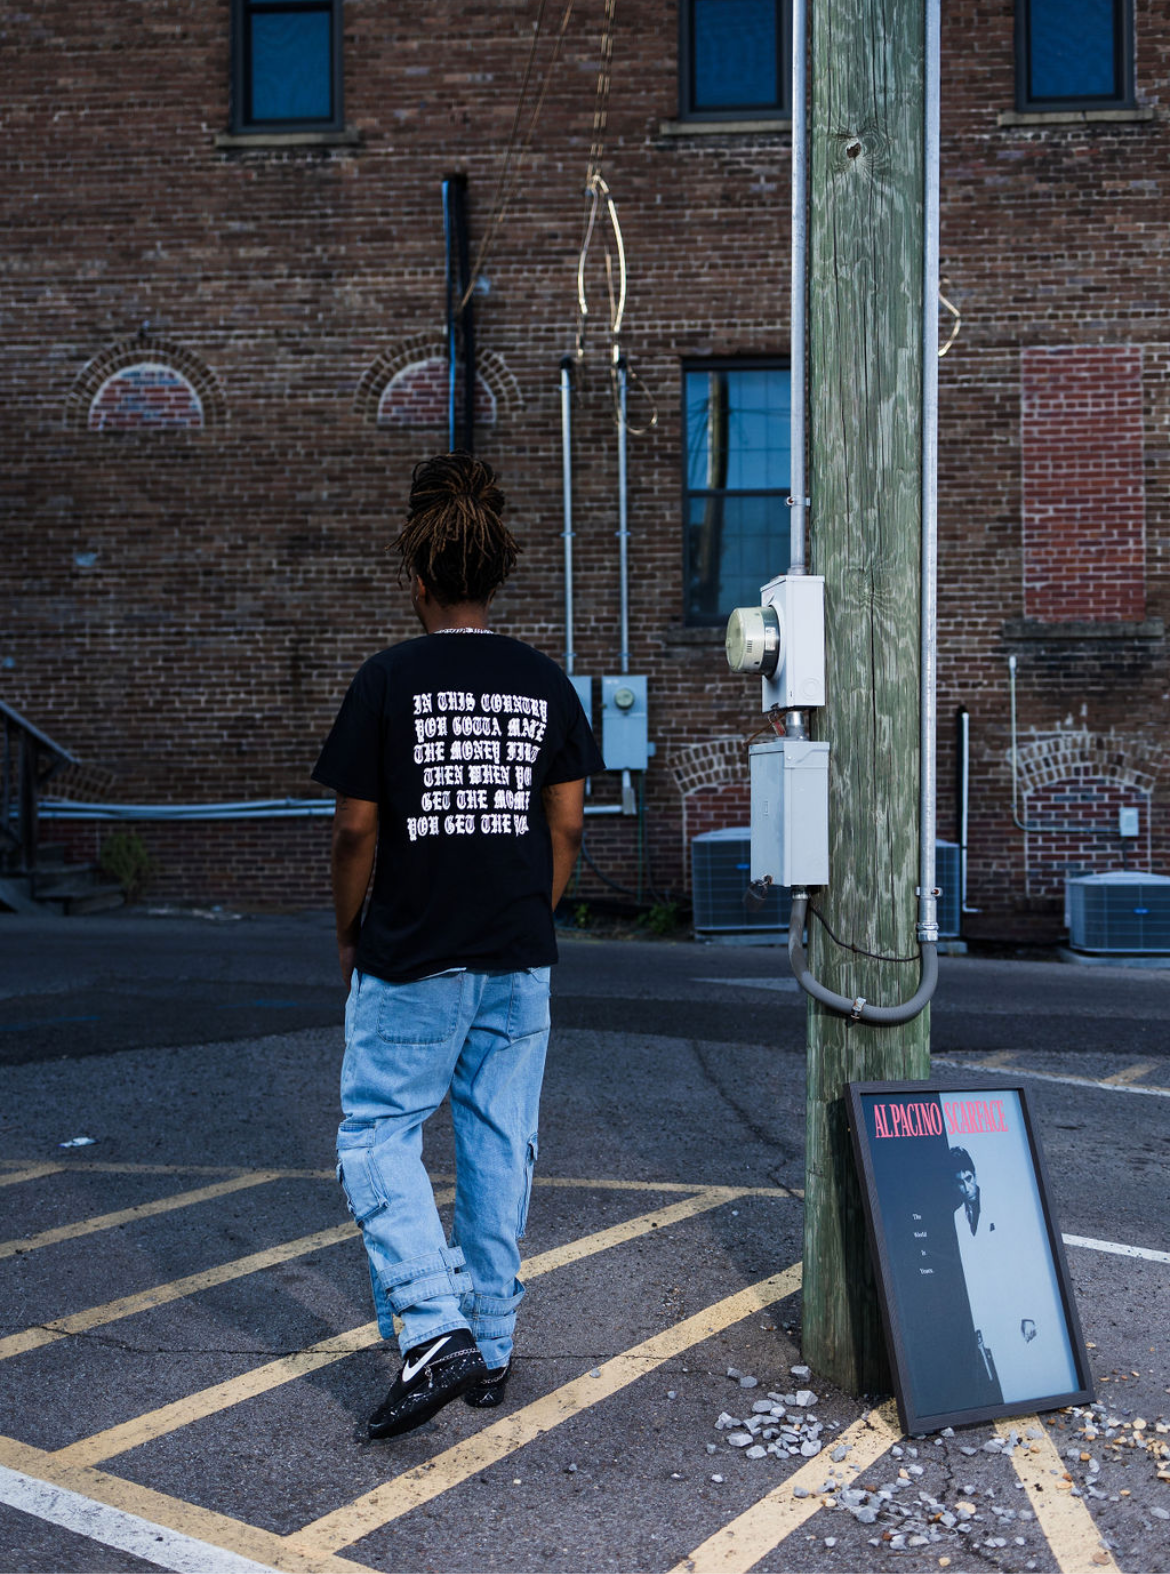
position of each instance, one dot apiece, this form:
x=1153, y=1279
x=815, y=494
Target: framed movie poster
x=976, y=1298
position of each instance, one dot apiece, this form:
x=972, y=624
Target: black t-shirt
x=453, y=736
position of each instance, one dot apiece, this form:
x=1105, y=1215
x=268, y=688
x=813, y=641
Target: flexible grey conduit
x=859, y=1009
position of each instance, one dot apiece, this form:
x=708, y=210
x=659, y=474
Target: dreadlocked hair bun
x=454, y=538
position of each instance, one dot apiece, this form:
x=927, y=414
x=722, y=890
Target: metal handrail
x=30, y=758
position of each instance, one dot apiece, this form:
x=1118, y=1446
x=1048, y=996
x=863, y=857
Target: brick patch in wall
x=419, y=395
x=146, y=396
x=1081, y=443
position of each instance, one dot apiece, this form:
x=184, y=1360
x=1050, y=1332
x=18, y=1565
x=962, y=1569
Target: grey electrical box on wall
x=790, y=812
x=584, y=688
x=625, y=739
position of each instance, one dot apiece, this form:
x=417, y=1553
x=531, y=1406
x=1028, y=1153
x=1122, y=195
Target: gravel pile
x=893, y=1499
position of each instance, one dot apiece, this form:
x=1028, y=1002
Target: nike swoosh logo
x=410, y=1372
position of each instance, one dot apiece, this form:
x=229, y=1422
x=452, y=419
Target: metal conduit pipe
x=255, y=809
x=623, y=516
x=629, y=801
x=567, y=488
x=798, y=486
x=859, y=1009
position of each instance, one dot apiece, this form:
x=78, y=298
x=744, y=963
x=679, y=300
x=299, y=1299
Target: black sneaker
x=488, y=1392
x=432, y=1375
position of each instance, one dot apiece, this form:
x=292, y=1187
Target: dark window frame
x=242, y=120
x=721, y=363
x=1123, y=40
x=781, y=110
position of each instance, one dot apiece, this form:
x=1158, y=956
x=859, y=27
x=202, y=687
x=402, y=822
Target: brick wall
x=188, y=602
x=1082, y=453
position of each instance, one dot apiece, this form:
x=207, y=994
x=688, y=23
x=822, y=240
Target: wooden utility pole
x=866, y=248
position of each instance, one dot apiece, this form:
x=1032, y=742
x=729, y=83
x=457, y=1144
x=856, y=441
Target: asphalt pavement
x=186, y=1359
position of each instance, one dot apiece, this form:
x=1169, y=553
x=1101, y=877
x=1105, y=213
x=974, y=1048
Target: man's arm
x=355, y=837
x=564, y=809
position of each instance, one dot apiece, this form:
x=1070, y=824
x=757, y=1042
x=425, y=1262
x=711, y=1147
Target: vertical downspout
x=567, y=488
x=963, y=756
x=447, y=240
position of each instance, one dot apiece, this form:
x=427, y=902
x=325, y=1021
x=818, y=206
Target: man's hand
x=355, y=838
x=564, y=809
x=347, y=955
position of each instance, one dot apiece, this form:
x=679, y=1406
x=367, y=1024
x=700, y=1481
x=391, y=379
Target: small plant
x=661, y=918
x=124, y=858
x=582, y=915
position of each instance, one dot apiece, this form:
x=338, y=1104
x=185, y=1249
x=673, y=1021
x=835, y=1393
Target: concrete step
x=98, y=899
x=14, y=894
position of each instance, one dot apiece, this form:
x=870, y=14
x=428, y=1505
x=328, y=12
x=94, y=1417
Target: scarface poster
x=977, y=1303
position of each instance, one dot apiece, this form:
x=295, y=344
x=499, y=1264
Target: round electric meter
x=755, y=640
x=624, y=698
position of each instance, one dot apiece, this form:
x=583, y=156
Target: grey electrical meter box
x=798, y=680
x=790, y=812
x=625, y=739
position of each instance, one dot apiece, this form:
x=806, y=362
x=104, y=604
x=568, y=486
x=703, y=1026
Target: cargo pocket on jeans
x=529, y=1167
x=355, y=1140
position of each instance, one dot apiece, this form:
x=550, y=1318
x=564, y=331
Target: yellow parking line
x=1131, y=1073
x=1001, y=1057
x=235, y=1390
x=220, y=1396
x=371, y=1511
x=33, y=1172
x=743, y=1541
x=129, y=1305
x=1065, y=1520
x=188, y=1519
x=145, y=1210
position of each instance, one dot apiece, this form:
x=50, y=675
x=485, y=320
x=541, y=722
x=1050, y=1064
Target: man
x=461, y=756
x=1003, y=1275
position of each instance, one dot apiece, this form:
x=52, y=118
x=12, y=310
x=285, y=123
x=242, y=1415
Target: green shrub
x=125, y=859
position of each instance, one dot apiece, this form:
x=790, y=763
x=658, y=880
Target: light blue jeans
x=482, y=1037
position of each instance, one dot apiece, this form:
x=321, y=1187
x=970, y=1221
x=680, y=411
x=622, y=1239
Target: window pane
x=1072, y=49
x=737, y=429
x=734, y=52
x=734, y=545
x=292, y=68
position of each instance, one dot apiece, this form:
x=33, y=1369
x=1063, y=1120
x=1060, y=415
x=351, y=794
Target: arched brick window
x=145, y=385
x=712, y=777
x=148, y=396
x=1073, y=787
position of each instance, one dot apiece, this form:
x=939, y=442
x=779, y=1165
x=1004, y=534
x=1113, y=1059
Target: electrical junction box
x=799, y=677
x=625, y=739
x=790, y=812
x=584, y=688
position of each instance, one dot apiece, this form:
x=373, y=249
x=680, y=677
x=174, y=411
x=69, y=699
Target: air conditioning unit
x=947, y=877
x=1126, y=911
x=720, y=873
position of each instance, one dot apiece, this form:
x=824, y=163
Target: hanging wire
x=955, y=313
x=509, y=171
x=601, y=204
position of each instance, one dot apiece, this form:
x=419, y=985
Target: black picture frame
x=966, y=1251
